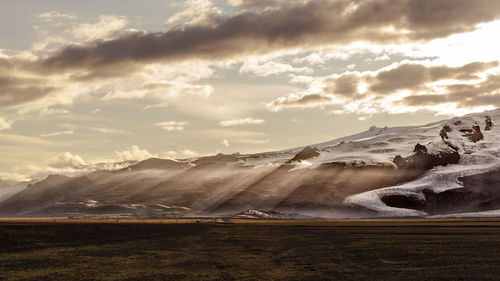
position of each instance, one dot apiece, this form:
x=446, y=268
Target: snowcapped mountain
x=439, y=169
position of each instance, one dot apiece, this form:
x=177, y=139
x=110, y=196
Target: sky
x=97, y=82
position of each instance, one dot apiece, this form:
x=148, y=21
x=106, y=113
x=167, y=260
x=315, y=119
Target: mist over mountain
x=9, y=188
x=439, y=169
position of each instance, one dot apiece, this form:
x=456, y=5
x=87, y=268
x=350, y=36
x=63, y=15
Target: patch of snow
x=90, y=203
x=485, y=214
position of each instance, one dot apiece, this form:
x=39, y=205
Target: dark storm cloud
x=291, y=25
x=410, y=76
x=345, y=85
x=404, y=76
x=484, y=93
x=15, y=91
x=415, y=76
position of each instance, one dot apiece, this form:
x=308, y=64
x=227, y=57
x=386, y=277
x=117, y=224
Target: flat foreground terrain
x=255, y=250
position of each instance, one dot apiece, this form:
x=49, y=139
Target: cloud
x=301, y=101
x=46, y=111
x=71, y=164
x=76, y=33
x=93, y=54
x=71, y=128
x=164, y=82
x=268, y=68
x=170, y=126
x=60, y=133
x=107, y=26
x=289, y=26
x=110, y=131
x=401, y=87
x=15, y=90
x=255, y=3
x=134, y=153
x=160, y=90
x=183, y=153
x=344, y=85
x=103, y=50
x=413, y=76
x=52, y=16
x=225, y=143
x=483, y=93
x=66, y=160
x=189, y=153
x=15, y=177
x=175, y=88
x=25, y=140
x=4, y=124
x=23, y=81
x=313, y=59
x=194, y=11
x=238, y=122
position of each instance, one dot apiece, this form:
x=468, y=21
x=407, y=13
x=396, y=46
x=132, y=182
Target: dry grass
x=250, y=250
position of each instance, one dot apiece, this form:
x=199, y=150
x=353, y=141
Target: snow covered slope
x=477, y=139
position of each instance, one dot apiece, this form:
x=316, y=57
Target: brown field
x=382, y=249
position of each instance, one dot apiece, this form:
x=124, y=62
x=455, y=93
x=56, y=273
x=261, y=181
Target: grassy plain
x=409, y=249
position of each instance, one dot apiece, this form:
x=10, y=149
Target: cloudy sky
x=85, y=82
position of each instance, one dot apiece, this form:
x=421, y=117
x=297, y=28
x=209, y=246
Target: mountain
x=439, y=169
x=9, y=188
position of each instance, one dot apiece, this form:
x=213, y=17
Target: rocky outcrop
x=489, y=123
x=420, y=148
x=474, y=134
x=444, y=136
x=306, y=153
x=444, y=132
x=423, y=160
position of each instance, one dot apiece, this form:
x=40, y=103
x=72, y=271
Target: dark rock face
x=444, y=136
x=444, y=132
x=474, y=134
x=489, y=123
x=403, y=201
x=422, y=160
x=452, y=200
x=306, y=153
x=420, y=148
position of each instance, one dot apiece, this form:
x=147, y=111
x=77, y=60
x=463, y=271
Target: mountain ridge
x=400, y=171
